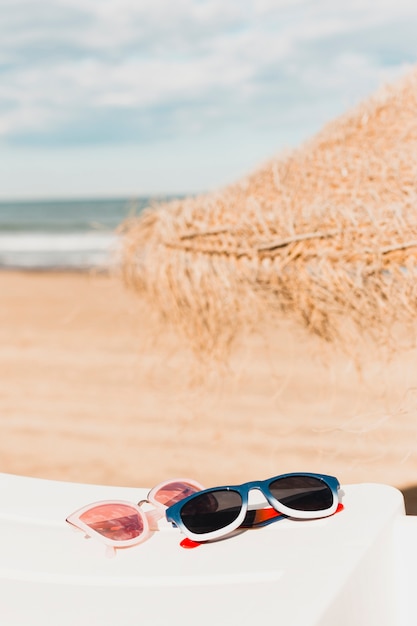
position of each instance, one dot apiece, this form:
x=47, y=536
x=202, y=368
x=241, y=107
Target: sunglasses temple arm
x=110, y=552
x=153, y=517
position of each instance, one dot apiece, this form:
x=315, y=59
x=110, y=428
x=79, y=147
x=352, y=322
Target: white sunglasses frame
x=149, y=518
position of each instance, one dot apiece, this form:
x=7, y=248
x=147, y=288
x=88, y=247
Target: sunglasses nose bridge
x=255, y=493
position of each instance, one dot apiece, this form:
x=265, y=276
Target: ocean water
x=76, y=234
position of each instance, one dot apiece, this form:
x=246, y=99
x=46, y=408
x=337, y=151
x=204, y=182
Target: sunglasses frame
x=173, y=513
x=75, y=520
x=149, y=518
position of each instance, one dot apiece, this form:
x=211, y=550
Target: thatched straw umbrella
x=326, y=234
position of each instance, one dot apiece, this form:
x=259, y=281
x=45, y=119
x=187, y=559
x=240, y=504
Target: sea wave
x=58, y=250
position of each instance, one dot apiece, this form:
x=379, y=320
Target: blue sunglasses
x=213, y=513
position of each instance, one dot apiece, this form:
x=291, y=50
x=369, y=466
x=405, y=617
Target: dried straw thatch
x=326, y=234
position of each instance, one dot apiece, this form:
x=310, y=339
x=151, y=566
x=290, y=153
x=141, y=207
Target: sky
x=116, y=98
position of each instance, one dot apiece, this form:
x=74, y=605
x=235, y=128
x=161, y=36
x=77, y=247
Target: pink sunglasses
x=121, y=524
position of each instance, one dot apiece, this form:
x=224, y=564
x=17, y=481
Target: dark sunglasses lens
x=211, y=511
x=302, y=493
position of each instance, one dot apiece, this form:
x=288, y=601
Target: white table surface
x=292, y=572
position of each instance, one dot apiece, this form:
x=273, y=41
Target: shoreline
x=57, y=269
x=90, y=393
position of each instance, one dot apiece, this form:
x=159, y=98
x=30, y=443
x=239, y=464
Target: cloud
x=94, y=71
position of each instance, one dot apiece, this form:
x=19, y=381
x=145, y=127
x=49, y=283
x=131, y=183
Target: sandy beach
x=91, y=391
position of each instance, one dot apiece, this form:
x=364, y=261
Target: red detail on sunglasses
x=189, y=543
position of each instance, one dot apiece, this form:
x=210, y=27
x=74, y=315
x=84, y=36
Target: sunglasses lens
x=119, y=522
x=211, y=511
x=302, y=493
x=174, y=492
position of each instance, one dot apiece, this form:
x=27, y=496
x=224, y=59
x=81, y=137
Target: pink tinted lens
x=119, y=522
x=174, y=492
